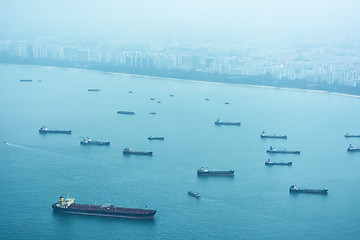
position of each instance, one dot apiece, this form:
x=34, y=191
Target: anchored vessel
x=274, y=150
x=155, y=138
x=93, y=90
x=25, y=80
x=45, y=130
x=351, y=148
x=351, y=135
x=69, y=206
x=204, y=171
x=270, y=163
x=219, y=122
x=264, y=135
x=128, y=151
x=89, y=141
x=296, y=189
x=126, y=112
x=197, y=195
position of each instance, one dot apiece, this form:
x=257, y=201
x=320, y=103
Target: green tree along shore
x=259, y=80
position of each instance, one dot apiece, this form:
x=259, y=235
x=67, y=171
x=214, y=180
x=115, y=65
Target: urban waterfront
x=254, y=204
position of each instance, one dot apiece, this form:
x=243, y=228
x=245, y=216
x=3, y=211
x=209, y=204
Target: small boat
x=219, y=122
x=264, y=135
x=196, y=195
x=207, y=99
x=128, y=151
x=126, y=112
x=296, y=189
x=274, y=150
x=271, y=163
x=152, y=98
x=158, y=101
x=171, y=95
x=153, y=113
x=130, y=91
x=155, y=138
x=89, y=141
x=352, y=135
x=45, y=130
x=351, y=148
x=93, y=90
x=227, y=103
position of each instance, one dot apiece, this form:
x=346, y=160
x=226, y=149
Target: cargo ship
x=264, y=135
x=89, y=141
x=156, y=138
x=25, y=80
x=126, y=112
x=271, y=163
x=219, y=122
x=296, y=189
x=44, y=130
x=204, y=171
x=351, y=148
x=274, y=150
x=128, y=151
x=348, y=135
x=69, y=206
x=93, y=90
x=196, y=195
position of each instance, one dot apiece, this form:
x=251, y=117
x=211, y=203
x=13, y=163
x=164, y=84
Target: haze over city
x=229, y=20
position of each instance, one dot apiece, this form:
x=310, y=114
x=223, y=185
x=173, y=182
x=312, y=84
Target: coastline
x=187, y=80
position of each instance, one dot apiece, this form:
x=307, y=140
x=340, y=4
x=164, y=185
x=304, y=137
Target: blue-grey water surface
x=255, y=204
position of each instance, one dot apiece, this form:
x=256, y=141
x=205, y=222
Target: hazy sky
x=204, y=19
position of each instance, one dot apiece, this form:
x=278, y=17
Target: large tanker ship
x=69, y=206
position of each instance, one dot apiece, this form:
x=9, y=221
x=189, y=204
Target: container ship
x=271, y=163
x=156, y=138
x=351, y=148
x=274, y=150
x=296, y=189
x=89, y=141
x=69, y=206
x=128, y=151
x=204, y=171
x=126, y=112
x=219, y=122
x=264, y=135
x=44, y=130
x=348, y=135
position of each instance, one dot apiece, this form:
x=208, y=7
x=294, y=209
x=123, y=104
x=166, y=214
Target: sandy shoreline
x=195, y=81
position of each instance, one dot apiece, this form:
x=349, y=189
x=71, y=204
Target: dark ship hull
x=278, y=163
x=215, y=173
x=128, y=151
x=55, y=131
x=352, y=135
x=294, y=189
x=93, y=90
x=126, y=112
x=95, y=143
x=156, y=138
x=110, y=211
x=228, y=123
x=353, y=149
x=273, y=136
x=283, y=151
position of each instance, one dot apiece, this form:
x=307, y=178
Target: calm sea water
x=255, y=204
